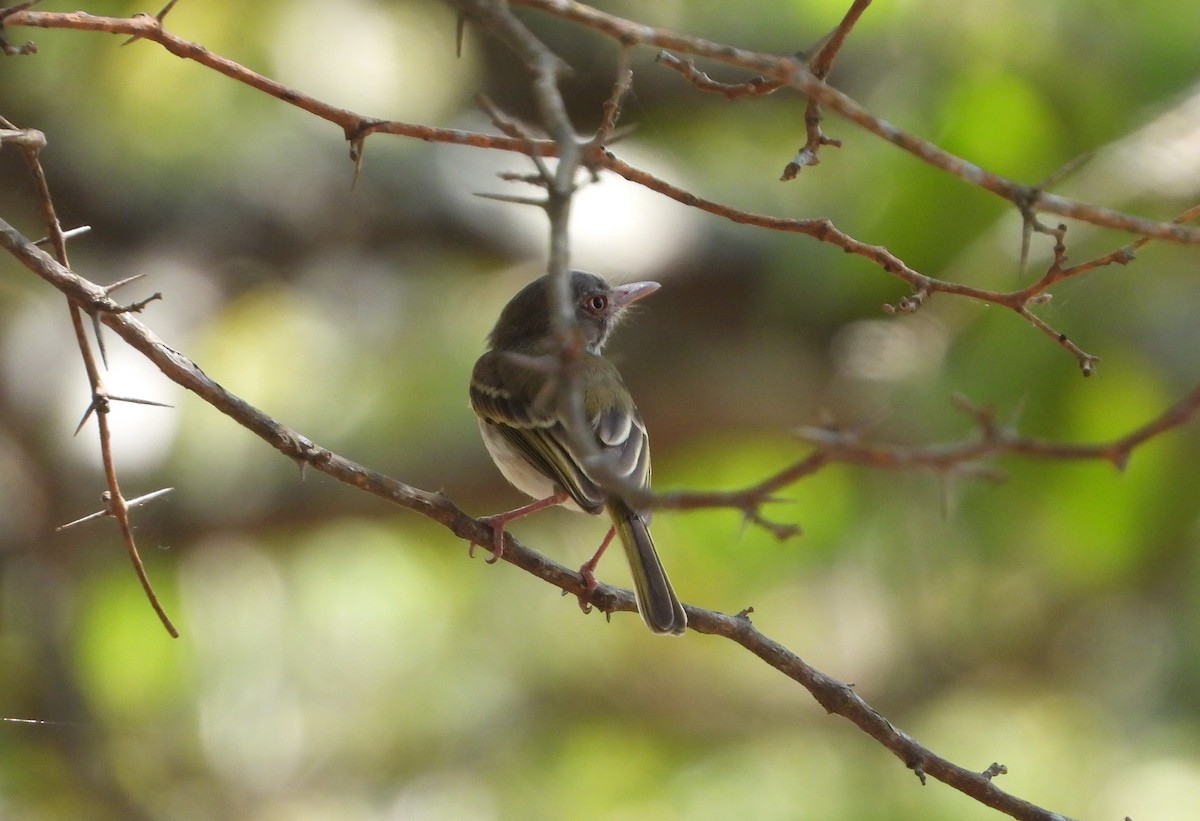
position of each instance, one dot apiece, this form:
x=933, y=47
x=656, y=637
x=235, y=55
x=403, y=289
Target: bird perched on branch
x=527, y=432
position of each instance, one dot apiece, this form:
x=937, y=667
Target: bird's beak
x=622, y=295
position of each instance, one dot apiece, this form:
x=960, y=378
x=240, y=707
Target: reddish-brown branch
x=835, y=696
x=788, y=70
x=794, y=73
x=820, y=65
x=545, y=70
x=357, y=128
x=823, y=229
x=754, y=87
x=31, y=144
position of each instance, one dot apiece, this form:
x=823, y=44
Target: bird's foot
x=496, y=523
x=588, y=571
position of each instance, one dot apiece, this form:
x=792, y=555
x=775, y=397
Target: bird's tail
x=656, y=599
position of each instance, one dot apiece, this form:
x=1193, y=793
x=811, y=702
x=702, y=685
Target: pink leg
x=500, y=520
x=588, y=570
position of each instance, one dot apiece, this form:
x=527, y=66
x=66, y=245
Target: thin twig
x=794, y=73
x=754, y=87
x=786, y=69
x=100, y=397
x=923, y=286
x=821, y=64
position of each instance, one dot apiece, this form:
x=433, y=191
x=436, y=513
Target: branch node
x=133, y=307
x=6, y=47
x=158, y=18
x=805, y=156
x=66, y=235
x=919, y=771
x=994, y=770
x=909, y=304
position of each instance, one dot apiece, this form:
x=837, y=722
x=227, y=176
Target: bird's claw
x=497, y=548
x=589, y=586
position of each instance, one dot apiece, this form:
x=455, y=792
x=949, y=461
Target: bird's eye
x=597, y=303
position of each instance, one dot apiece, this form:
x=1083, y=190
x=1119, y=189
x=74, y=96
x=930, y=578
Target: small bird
x=527, y=439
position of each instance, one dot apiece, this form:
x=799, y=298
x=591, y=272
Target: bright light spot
x=620, y=230
x=251, y=717
x=366, y=57
x=627, y=231
x=889, y=350
x=1164, y=789
x=1164, y=156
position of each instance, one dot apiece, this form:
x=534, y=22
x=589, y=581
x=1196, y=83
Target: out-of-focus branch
x=546, y=69
x=993, y=440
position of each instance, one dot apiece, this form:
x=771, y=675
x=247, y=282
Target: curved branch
x=835, y=696
x=794, y=73
x=546, y=68
x=31, y=144
x=790, y=71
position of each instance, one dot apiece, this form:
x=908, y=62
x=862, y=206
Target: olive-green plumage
x=530, y=445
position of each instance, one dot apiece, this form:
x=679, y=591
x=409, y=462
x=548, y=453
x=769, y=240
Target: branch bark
x=545, y=70
x=834, y=696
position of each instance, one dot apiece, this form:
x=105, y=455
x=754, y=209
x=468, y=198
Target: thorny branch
x=772, y=72
x=778, y=72
x=835, y=696
x=627, y=33
x=31, y=143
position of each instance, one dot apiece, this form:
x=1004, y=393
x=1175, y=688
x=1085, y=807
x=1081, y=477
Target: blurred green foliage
x=343, y=660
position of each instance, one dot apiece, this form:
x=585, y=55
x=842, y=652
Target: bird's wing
x=504, y=395
x=504, y=392
x=622, y=437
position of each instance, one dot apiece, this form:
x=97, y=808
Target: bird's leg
x=588, y=570
x=500, y=521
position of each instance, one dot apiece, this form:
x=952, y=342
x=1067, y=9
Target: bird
x=525, y=432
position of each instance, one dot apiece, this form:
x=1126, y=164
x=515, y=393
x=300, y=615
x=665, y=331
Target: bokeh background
x=342, y=659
